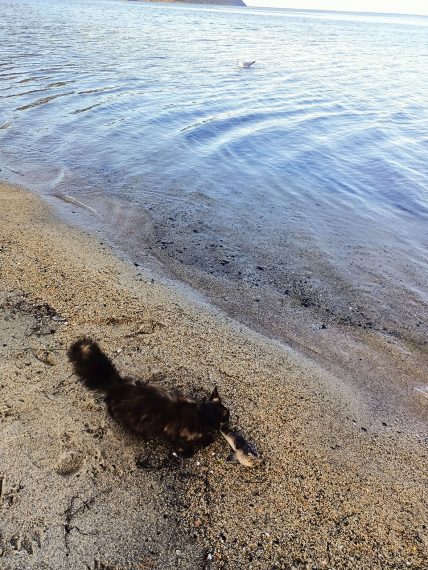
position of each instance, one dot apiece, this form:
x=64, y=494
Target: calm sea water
x=305, y=176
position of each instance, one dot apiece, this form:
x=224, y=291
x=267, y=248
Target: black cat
x=148, y=408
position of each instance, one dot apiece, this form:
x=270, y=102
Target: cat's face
x=214, y=413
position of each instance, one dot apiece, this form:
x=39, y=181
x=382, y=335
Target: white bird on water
x=245, y=62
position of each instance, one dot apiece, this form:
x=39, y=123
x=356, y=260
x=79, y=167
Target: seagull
x=245, y=63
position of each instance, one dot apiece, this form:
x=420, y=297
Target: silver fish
x=245, y=452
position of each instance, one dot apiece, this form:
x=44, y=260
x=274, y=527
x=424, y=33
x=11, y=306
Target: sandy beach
x=343, y=483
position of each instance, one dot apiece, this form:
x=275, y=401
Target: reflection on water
x=312, y=163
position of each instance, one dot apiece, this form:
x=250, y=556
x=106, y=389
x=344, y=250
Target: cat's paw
x=185, y=450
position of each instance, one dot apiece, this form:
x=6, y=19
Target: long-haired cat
x=147, y=408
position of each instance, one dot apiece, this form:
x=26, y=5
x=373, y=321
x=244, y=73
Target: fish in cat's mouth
x=245, y=452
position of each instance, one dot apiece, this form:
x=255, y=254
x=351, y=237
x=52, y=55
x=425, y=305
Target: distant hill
x=212, y=2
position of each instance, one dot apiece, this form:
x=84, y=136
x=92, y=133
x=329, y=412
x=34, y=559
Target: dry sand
x=341, y=485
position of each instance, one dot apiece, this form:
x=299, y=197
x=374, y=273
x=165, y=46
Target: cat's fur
x=148, y=408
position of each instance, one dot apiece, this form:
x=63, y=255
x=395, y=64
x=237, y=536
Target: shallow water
x=302, y=178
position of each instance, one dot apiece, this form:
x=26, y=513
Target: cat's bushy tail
x=94, y=369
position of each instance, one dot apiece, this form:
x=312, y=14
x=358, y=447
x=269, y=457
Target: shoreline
x=338, y=487
x=308, y=319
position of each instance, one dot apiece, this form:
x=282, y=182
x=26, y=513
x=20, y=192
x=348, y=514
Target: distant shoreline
x=207, y=2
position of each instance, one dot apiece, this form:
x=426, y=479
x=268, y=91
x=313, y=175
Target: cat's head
x=213, y=413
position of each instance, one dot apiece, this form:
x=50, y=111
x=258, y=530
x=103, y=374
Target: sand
x=343, y=483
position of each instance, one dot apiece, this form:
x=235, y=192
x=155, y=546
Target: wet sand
x=343, y=484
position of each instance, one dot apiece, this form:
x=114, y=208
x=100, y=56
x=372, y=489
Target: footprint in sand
x=96, y=431
x=8, y=493
x=26, y=541
x=6, y=411
x=75, y=452
x=70, y=462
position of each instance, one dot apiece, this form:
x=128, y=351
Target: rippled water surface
x=306, y=174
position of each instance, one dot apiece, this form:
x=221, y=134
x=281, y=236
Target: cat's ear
x=215, y=396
